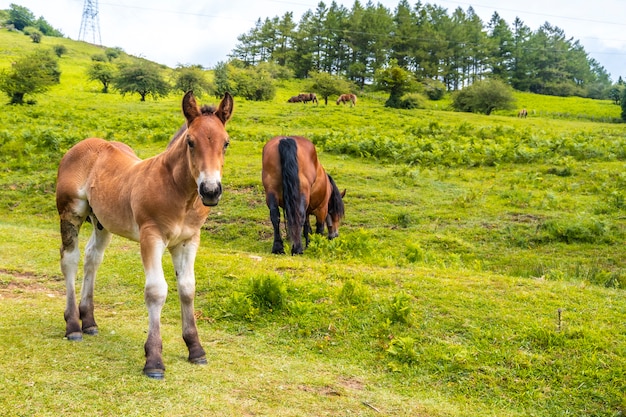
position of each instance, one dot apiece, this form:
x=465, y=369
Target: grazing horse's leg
x=94, y=253
x=183, y=257
x=272, y=203
x=155, y=293
x=307, y=231
x=296, y=237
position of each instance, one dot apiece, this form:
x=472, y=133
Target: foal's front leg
x=155, y=293
x=183, y=257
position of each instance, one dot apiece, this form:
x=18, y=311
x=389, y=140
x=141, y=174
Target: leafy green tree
x=522, y=60
x=285, y=31
x=403, y=41
x=104, y=72
x=191, y=77
x=20, y=17
x=113, y=53
x=141, y=77
x=623, y=104
x=32, y=74
x=47, y=29
x=500, y=48
x=222, y=80
x=484, y=97
x=326, y=85
x=253, y=83
x=396, y=81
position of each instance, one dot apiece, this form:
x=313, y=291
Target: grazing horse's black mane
x=206, y=111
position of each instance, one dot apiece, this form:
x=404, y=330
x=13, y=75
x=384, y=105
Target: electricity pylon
x=90, y=24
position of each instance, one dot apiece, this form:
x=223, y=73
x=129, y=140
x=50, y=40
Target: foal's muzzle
x=210, y=193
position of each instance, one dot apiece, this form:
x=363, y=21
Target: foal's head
x=206, y=140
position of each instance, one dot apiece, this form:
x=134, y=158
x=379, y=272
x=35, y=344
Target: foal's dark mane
x=335, y=203
x=206, y=110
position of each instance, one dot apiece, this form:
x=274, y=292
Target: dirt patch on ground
x=14, y=284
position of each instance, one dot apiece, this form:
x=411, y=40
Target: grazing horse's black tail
x=294, y=210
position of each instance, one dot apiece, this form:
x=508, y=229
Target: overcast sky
x=204, y=32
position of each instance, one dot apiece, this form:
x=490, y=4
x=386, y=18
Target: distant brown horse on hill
x=160, y=202
x=345, y=98
x=294, y=179
x=294, y=99
x=522, y=113
x=306, y=97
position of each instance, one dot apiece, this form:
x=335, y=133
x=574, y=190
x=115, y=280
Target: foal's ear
x=343, y=193
x=190, y=107
x=225, y=109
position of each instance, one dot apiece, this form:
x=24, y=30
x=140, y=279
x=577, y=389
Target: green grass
x=441, y=296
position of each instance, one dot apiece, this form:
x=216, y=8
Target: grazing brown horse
x=306, y=97
x=295, y=180
x=522, y=113
x=345, y=98
x=161, y=202
x=294, y=99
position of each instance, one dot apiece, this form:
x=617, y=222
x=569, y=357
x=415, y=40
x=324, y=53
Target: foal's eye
x=190, y=142
x=226, y=144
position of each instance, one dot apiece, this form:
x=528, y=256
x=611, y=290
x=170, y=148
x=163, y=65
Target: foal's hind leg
x=183, y=257
x=94, y=253
x=71, y=219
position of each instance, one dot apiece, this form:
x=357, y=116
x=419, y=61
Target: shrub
x=434, y=89
x=484, y=97
x=412, y=101
x=59, y=50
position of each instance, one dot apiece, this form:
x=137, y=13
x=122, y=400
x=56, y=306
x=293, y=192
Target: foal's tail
x=294, y=212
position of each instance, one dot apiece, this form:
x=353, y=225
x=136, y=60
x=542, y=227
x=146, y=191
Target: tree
x=222, y=79
x=253, y=83
x=396, y=81
x=20, y=17
x=326, y=85
x=623, y=105
x=484, y=97
x=34, y=73
x=103, y=72
x=191, y=77
x=141, y=77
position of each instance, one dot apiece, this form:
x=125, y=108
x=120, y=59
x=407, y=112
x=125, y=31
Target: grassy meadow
x=480, y=269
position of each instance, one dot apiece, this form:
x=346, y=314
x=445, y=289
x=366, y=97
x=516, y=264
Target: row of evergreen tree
x=456, y=49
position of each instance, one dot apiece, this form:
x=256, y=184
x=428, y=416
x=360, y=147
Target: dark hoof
x=75, y=337
x=154, y=373
x=91, y=331
x=199, y=361
x=278, y=250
